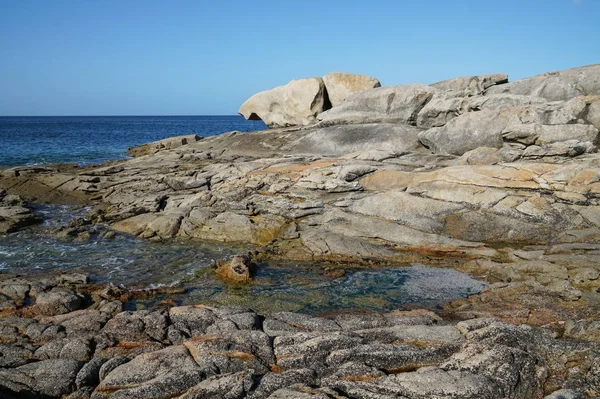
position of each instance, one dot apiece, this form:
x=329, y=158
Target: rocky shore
x=61, y=337
x=495, y=178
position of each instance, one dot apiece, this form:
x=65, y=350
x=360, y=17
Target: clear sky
x=129, y=57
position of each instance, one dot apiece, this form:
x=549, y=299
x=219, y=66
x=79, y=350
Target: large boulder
x=556, y=86
x=296, y=103
x=340, y=85
x=394, y=104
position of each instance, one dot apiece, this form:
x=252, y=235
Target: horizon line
x=113, y=115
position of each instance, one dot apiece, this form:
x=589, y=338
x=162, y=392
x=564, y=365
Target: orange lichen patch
x=360, y=378
x=9, y=312
x=233, y=355
x=132, y=344
x=296, y=325
x=204, y=338
x=386, y=180
x=275, y=368
x=294, y=170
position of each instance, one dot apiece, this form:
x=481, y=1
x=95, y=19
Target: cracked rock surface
x=100, y=351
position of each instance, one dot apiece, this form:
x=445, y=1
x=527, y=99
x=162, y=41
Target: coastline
x=519, y=211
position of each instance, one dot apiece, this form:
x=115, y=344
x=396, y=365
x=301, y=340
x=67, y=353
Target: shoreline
x=475, y=172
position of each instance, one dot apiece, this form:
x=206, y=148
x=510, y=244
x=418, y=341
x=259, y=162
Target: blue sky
x=86, y=57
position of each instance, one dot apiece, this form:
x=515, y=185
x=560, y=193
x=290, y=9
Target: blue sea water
x=95, y=139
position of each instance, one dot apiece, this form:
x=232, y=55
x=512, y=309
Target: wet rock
x=13, y=218
x=237, y=270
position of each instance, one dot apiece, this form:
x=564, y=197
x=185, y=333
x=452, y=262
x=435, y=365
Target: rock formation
x=14, y=215
x=500, y=180
x=96, y=350
x=300, y=101
x=296, y=103
x=341, y=85
x=236, y=270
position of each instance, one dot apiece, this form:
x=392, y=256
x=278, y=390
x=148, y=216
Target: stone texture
x=296, y=103
x=556, y=86
x=340, y=85
x=393, y=104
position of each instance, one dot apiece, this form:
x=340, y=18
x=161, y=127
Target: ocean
x=34, y=140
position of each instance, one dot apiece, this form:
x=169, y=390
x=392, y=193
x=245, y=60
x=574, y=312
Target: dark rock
x=89, y=375
x=226, y=386
x=54, y=377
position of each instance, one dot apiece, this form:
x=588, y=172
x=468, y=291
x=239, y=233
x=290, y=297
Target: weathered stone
x=556, y=86
x=160, y=145
x=471, y=85
x=296, y=103
x=58, y=300
x=226, y=386
x=164, y=373
x=13, y=218
x=393, y=104
x=232, y=351
x=89, y=375
x=340, y=85
x=48, y=377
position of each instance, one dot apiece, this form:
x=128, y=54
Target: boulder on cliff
x=341, y=85
x=296, y=103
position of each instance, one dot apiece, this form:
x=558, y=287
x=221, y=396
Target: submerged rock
x=238, y=270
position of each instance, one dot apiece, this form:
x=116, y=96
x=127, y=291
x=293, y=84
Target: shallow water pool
x=129, y=261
